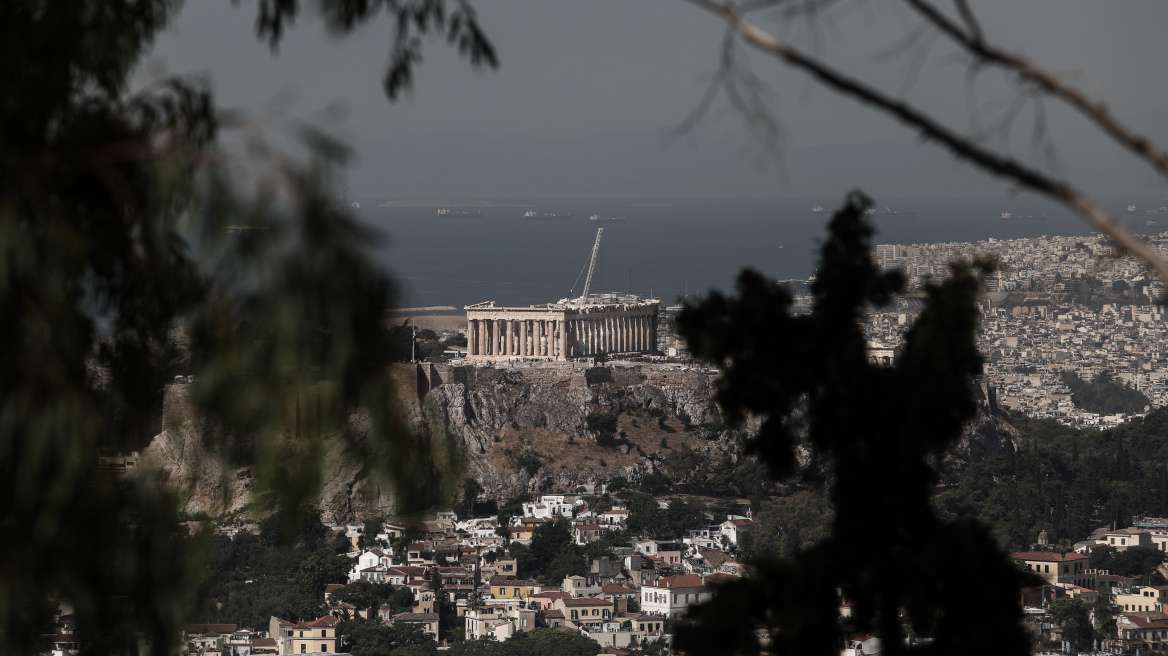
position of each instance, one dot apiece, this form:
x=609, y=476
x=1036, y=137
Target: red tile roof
x=586, y=601
x=613, y=588
x=679, y=581
x=1048, y=556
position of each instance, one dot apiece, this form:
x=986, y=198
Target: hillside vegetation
x=1105, y=396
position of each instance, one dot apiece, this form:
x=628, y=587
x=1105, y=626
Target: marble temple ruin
x=559, y=331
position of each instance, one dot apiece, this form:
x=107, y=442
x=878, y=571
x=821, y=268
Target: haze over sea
x=680, y=245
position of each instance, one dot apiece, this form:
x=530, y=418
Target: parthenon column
x=540, y=331
x=640, y=333
x=523, y=347
x=626, y=334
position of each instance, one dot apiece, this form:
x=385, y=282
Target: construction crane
x=591, y=267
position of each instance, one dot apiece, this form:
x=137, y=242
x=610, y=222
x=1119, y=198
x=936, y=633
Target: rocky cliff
x=515, y=429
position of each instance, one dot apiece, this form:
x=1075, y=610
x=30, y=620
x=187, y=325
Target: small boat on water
x=1006, y=216
x=818, y=209
x=597, y=217
x=532, y=215
x=888, y=211
x=456, y=213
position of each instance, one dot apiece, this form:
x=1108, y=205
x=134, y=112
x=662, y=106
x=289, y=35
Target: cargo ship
x=597, y=217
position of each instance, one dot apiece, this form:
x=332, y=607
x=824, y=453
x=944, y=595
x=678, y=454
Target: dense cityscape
x=1057, y=308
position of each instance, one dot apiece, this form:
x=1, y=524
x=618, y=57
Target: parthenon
x=559, y=331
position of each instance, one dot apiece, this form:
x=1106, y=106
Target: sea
x=672, y=249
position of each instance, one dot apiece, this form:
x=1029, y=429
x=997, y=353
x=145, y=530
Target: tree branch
x=961, y=147
x=1096, y=112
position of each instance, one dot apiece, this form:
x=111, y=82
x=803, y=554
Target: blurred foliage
x=129, y=218
x=249, y=578
x=873, y=434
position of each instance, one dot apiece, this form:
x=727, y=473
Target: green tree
x=787, y=526
x=369, y=532
x=874, y=434
x=369, y=637
x=1071, y=615
x=317, y=571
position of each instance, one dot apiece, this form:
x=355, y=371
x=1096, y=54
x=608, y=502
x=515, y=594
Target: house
x=619, y=595
x=554, y=618
x=456, y=579
x=548, y=507
x=734, y=528
x=504, y=568
x=366, y=560
x=1144, y=599
x=317, y=636
x=428, y=622
x=488, y=621
x=207, y=637
x=862, y=645
x=606, y=570
x=264, y=646
x=612, y=635
x=414, y=555
x=375, y=574
x=614, y=517
x=405, y=574
x=1060, y=568
x=545, y=600
x=498, y=621
x=586, y=533
x=670, y=596
x=1126, y=538
x=586, y=610
x=331, y=588
x=526, y=527
x=64, y=644
x=1143, y=631
x=504, y=588
x=646, y=624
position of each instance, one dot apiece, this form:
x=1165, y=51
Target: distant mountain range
x=659, y=164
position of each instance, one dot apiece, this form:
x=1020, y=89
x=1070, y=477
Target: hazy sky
x=575, y=69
